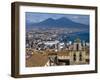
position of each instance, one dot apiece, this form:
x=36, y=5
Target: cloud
x=75, y=17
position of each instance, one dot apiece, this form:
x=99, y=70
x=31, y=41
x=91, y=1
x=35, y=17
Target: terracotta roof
x=37, y=60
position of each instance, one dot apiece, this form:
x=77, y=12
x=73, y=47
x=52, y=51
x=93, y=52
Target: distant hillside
x=59, y=23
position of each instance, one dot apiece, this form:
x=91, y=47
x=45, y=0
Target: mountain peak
x=50, y=19
x=62, y=22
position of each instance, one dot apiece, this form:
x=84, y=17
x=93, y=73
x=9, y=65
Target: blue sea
x=84, y=36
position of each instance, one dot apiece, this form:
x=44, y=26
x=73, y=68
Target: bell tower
x=77, y=54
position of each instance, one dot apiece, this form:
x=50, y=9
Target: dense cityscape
x=52, y=47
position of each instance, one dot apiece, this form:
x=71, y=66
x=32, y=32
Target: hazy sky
x=33, y=17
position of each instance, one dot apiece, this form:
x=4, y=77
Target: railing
x=63, y=57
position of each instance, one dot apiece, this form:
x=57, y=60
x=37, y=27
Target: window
x=80, y=56
x=74, y=58
x=77, y=47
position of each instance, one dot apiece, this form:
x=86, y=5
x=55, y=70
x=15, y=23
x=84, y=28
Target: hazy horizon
x=34, y=17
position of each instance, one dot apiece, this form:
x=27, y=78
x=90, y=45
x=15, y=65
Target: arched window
x=77, y=47
x=74, y=57
x=80, y=56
